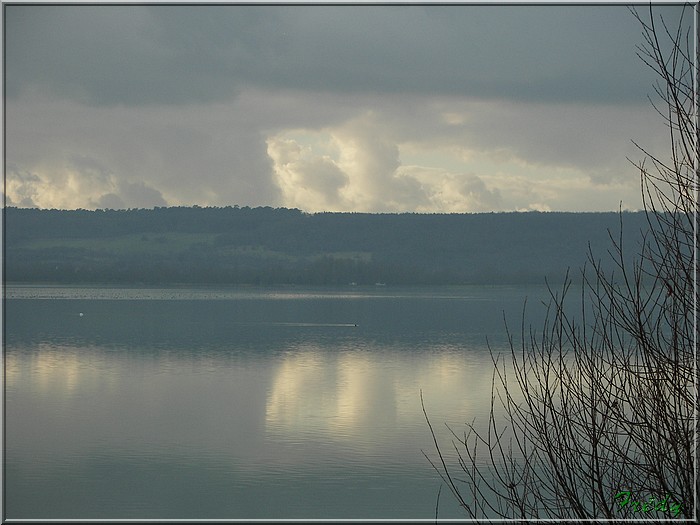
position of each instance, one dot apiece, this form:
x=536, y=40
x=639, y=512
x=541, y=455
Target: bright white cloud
x=368, y=153
x=362, y=175
x=306, y=181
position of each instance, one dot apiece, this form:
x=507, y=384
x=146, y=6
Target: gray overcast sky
x=341, y=108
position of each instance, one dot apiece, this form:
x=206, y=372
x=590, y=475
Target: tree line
x=242, y=245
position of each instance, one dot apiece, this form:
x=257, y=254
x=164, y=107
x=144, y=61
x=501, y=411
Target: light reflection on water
x=238, y=408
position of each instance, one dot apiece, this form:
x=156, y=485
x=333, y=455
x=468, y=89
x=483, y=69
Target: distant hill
x=235, y=245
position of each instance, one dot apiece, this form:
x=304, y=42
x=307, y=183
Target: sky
x=361, y=108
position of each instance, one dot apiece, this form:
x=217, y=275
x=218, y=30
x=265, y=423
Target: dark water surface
x=242, y=403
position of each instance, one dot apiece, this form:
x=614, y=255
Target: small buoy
x=80, y=314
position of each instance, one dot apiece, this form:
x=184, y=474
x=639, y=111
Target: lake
x=242, y=403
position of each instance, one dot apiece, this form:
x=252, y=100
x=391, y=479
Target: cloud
x=83, y=183
x=69, y=187
x=89, y=53
x=21, y=187
x=581, y=136
x=460, y=193
x=463, y=155
x=596, y=139
x=357, y=167
x=306, y=181
x=207, y=155
x=137, y=194
x=368, y=153
x=361, y=174
x=182, y=54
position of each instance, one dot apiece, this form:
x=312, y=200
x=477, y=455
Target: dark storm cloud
x=108, y=54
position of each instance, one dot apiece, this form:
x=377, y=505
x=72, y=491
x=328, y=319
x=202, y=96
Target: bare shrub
x=594, y=414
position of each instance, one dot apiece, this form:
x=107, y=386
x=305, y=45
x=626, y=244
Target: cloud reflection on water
x=353, y=395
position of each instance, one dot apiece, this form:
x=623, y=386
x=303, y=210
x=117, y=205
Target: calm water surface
x=244, y=402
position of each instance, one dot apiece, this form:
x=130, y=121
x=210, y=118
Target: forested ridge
x=242, y=245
